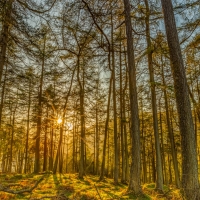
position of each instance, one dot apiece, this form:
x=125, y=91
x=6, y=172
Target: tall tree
x=134, y=182
x=190, y=182
x=159, y=174
x=6, y=15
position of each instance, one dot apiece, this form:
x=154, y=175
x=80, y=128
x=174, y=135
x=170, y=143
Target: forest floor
x=69, y=187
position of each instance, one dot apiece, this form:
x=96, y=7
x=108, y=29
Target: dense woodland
x=101, y=87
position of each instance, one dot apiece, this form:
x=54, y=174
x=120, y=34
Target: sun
x=59, y=120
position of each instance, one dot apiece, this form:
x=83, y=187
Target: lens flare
x=59, y=120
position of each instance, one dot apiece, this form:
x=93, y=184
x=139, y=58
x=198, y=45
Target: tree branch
x=33, y=10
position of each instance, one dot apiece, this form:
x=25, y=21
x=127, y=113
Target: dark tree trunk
x=27, y=127
x=171, y=135
x=123, y=176
x=82, y=136
x=51, y=148
x=2, y=95
x=190, y=182
x=5, y=34
x=116, y=153
x=12, y=141
x=159, y=175
x=134, y=184
x=106, y=127
x=45, y=143
x=39, y=117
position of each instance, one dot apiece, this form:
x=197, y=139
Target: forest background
x=102, y=88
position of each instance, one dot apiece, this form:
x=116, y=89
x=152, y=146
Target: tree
x=134, y=182
x=6, y=15
x=159, y=177
x=190, y=181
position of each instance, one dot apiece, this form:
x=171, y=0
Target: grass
x=68, y=186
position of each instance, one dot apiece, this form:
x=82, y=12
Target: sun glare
x=59, y=120
x=69, y=125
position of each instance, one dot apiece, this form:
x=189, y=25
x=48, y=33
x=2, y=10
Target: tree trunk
x=134, y=184
x=97, y=139
x=51, y=147
x=125, y=124
x=144, y=167
x=12, y=140
x=45, y=143
x=159, y=175
x=39, y=117
x=116, y=153
x=123, y=177
x=2, y=95
x=170, y=132
x=58, y=154
x=106, y=125
x=82, y=148
x=190, y=182
x=162, y=149
x=5, y=34
x=27, y=128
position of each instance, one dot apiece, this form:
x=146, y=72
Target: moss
x=88, y=188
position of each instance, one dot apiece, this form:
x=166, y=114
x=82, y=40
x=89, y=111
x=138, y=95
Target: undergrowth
x=70, y=187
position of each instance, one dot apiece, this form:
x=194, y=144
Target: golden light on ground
x=59, y=120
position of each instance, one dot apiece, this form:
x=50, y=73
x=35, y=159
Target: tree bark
x=27, y=127
x=106, y=127
x=82, y=136
x=5, y=34
x=190, y=182
x=2, y=95
x=171, y=135
x=134, y=183
x=116, y=153
x=39, y=117
x=159, y=175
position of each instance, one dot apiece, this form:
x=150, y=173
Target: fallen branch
x=4, y=189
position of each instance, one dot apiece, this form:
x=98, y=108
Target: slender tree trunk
x=12, y=140
x=2, y=95
x=27, y=127
x=97, y=140
x=82, y=148
x=159, y=175
x=162, y=148
x=106, y=126
x=45, y=143
x=58, y=154
x=190, y=182
x=94, y=171
x=116, y=153
x=134, y=184
x=171, y=135
x=4, y=37
x=39, y=117
x=153, y=162
x=51, y=148
x=143, y=148
x=74, y=145
x=125, y=124
x=123, y=177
